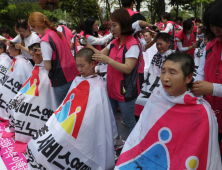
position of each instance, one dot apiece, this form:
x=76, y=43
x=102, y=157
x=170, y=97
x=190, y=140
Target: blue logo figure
x=155, y=157
x=64, y=112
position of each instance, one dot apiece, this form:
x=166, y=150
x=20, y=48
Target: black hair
x=102, y=27
x=82, y=26
x=36, y=45
x=186, y=61
x=192, y=18
x=149, y=32
x=197, y=20
x=22, y=24
x=137, y=16
x=167, y=16
x=179, y=18
x=163, y=36
x=5, y=30
x=187, y=25
x=60, y=24
x=127, y=3
x=87, y=53
x=213, y=16
x=13, y=46
x=2, y=45
x=123, y=18
x=88, y=27
x=159, y=19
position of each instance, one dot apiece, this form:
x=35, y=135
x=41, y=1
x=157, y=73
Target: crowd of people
x=60, y=90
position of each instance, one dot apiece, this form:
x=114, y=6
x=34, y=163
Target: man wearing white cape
x=18, y=72
x=176, y=130
x=152, y=75
x=79, y=135
x=32, y=106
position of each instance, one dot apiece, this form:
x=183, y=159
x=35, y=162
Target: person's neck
x=29, y=34
x=131, y=7
x=122, y=38
x=163, y=52
x=43, y=31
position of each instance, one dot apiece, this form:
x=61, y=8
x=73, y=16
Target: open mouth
x=166, y=86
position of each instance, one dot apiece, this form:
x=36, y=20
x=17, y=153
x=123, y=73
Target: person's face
x=37, y=58
x=190, y=31
x=1, y=50
x=178, y=22
x=24, y=32
x=147, y=37
x=164, y=20
x=172, y=78
x=13, y=52
x=197, y=23
x=115, y=29
x=95, y=27
x=199, y=31
x=162, y=46
x=217, y=31
x=205, y=41
x=85, y=69
x=6, y=35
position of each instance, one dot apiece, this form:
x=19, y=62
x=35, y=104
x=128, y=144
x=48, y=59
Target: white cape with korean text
x=79, y=135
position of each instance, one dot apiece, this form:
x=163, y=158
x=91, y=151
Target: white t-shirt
x=59, y=28
x=133, y=52
x=99, y=40
x=137, y=28
x=46, y=50
x=169, y=28
x=217, y=88
x=33, y=38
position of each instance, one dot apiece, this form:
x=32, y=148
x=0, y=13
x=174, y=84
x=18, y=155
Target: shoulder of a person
x=212, y=43
x=132, y=41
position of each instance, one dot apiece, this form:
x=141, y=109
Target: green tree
x=14, y=12
x=89, y=7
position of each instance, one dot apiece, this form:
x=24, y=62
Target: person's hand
x=87, y=43
x=101, y=58
x=38, y=51
x=155, y=35
x=201, y=38
x=18, y=46
x=195, y=45
x=200, y=88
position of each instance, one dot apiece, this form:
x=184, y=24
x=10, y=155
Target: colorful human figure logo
x=71, y=113
x=11, y=66
x=31, y=86
x=155, y=157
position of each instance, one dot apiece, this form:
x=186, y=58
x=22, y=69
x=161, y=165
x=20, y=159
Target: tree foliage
x=14, y=12
x=90, y=8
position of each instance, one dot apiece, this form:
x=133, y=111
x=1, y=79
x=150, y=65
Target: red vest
x=213, y=74
x=63, y=63
x=171, y=32
x=122, y=87
x=186, y=43
x=67, y=33
x=98, y=47
x=131, y=12
x=160, y=25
